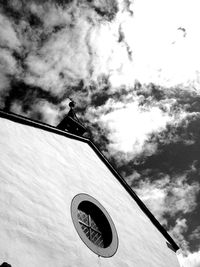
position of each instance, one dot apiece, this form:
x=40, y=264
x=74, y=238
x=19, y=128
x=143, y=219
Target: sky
x=133, y=69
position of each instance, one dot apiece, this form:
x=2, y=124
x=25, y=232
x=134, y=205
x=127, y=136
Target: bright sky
x=161, y=52
x=133, y=126
x=164, y=40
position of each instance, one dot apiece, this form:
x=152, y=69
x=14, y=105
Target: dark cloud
x=20, y=59
x=122, y=39
x=193, y=226
x=187, y=100
x=61, y=2
x=178, y=147
x=184, y=98
x=12, y=11
x=99, y=99
x=19, y=10
x=101, y=93
x=106, y=9
x=152, y=91
x=177, y=150
x=26, y=96
x=98, y=134
x=37, y=26
x=172, y=144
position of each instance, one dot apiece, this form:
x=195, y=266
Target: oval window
x=94, y=225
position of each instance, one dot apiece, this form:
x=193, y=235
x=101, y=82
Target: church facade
x=64, y=205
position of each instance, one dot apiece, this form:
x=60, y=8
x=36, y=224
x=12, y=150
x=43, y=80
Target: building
x=64, y=205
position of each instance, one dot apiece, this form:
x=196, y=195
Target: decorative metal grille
x=94, y=225
x=90, y=228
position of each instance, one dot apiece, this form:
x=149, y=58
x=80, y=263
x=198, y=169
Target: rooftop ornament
x=71, y=123
x=5, y=264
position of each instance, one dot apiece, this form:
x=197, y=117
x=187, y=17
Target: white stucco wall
x=40, y=173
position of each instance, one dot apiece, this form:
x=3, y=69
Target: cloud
x=195, y=234
x=58, y=45
x=177, y=232
x=173, y=143
x=168, y=196
x=191, y=260
x=134, y=117
x=130, y=126
x=170, y=199
x=8, y=36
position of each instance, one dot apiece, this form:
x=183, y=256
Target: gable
x=43, y=169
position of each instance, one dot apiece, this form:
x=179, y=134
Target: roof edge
x=136, y=198
x=26, y=121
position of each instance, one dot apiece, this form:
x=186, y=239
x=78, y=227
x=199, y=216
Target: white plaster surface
x=40, y=173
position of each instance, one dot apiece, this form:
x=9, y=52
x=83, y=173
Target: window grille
x=90, y=228
x=94, y=225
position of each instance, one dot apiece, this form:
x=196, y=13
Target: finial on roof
x=71, y=123
x=72, y=104
x=5, y=264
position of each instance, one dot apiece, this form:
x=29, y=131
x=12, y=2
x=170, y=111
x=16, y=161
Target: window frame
x=106, y=252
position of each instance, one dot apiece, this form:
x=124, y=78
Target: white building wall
x=40, y=173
